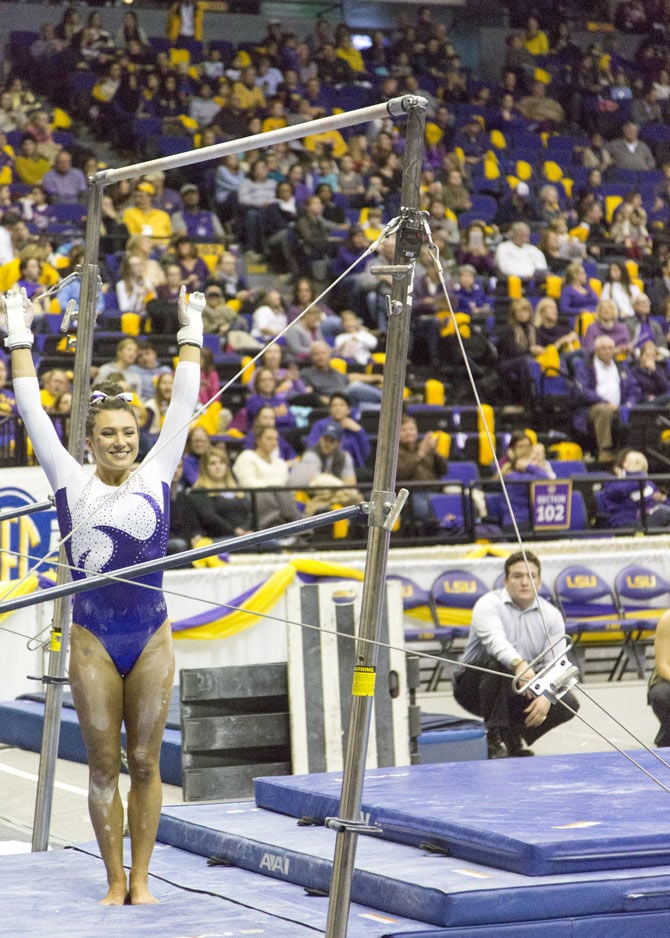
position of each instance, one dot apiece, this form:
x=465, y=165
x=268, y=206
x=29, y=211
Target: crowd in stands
x=547, y=204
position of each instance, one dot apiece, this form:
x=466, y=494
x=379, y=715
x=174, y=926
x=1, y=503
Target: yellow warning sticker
x=364, y=682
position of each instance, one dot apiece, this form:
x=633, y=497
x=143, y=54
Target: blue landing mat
x=402, y=880
x=55, y=895
x=548, y=815
x=22, y=722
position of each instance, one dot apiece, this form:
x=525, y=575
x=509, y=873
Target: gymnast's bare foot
x=140, y=895
x=116, y=895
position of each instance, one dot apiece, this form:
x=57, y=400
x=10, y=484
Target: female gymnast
x=111, y=516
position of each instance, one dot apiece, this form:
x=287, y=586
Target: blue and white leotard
x=113, y=527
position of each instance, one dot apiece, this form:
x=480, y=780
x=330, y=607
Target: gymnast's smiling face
x=114, y=444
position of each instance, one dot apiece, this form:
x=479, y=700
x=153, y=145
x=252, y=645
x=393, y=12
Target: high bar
x=395, y=107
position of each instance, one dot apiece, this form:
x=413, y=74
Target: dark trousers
x=658, y=699
x=491, y=697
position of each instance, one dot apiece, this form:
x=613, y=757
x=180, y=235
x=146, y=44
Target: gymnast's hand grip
x=190, y=317
x=17, y=320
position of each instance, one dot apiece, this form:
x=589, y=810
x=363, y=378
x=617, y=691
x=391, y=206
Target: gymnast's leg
x=97, y=691
x=148, y=689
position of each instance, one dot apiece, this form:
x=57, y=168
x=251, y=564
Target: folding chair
x=643, y=595
x=452, y=598
x=593, y=617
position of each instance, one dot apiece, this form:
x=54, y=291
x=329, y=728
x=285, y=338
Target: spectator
x=659, y=290
x=156, y=407
x=233, y=284
x=29, y=166
x=475, y=251
x=64, y=183
x=266, y=418
x=147, y=368
x=39, y=128
x=646, y=108
x=629, y=231
x=602, y=387
x=142, y=246
x=517, y=207
x=355, y=343
x=328, y=471
x=523, y=471
x=313, y=232
x=54, y=383
x=618, y=286
x=577, y=296
x=162, y=310
x=468, y=296
x=517, y=346
x=269, y=317
x=549, y=331
x=642, y=328
x=197, y=442
x=195, y=222
x=354, y=439
x=535, y=40
x=607, y=323
x=194, y=270
x=302, y=334
x=125, y=357
x=219, y=508
x=114, y=234
x=227, y=181
x=287, y=376
x=419, y=461
x=545, y=114
x=632, y=497
x=223, y=320
x=325, y=380
x=509, y=630
x=651, y=375
x=629, y=152
x=265, y=394
x=132, y=289
x=596, y=155
x=263, y=470
x=146, y=220
x=255, y=193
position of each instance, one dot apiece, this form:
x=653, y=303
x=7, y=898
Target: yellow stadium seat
x=552, y=171
x=180, y=56
x=524, y=170
x=612, y=202
x=633, y=269
x=553, y=284
x=582, y=323
x=596, y=285
x=131, y=323
x=498, y=140
x=339, y=364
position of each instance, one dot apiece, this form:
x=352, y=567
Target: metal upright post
x=60, y=629
x=382, y=502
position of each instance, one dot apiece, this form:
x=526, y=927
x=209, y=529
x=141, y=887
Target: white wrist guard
x=19, y=334
x=191, y=329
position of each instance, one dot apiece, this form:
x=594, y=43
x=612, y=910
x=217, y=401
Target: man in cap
x=195, y=222
x=327, y=467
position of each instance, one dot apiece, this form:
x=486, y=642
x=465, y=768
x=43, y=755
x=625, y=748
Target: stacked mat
x=554, y=846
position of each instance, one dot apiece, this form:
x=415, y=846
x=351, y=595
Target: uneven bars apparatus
x=383, y=509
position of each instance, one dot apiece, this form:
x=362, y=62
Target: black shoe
x=496, y=747
x=516, y=746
